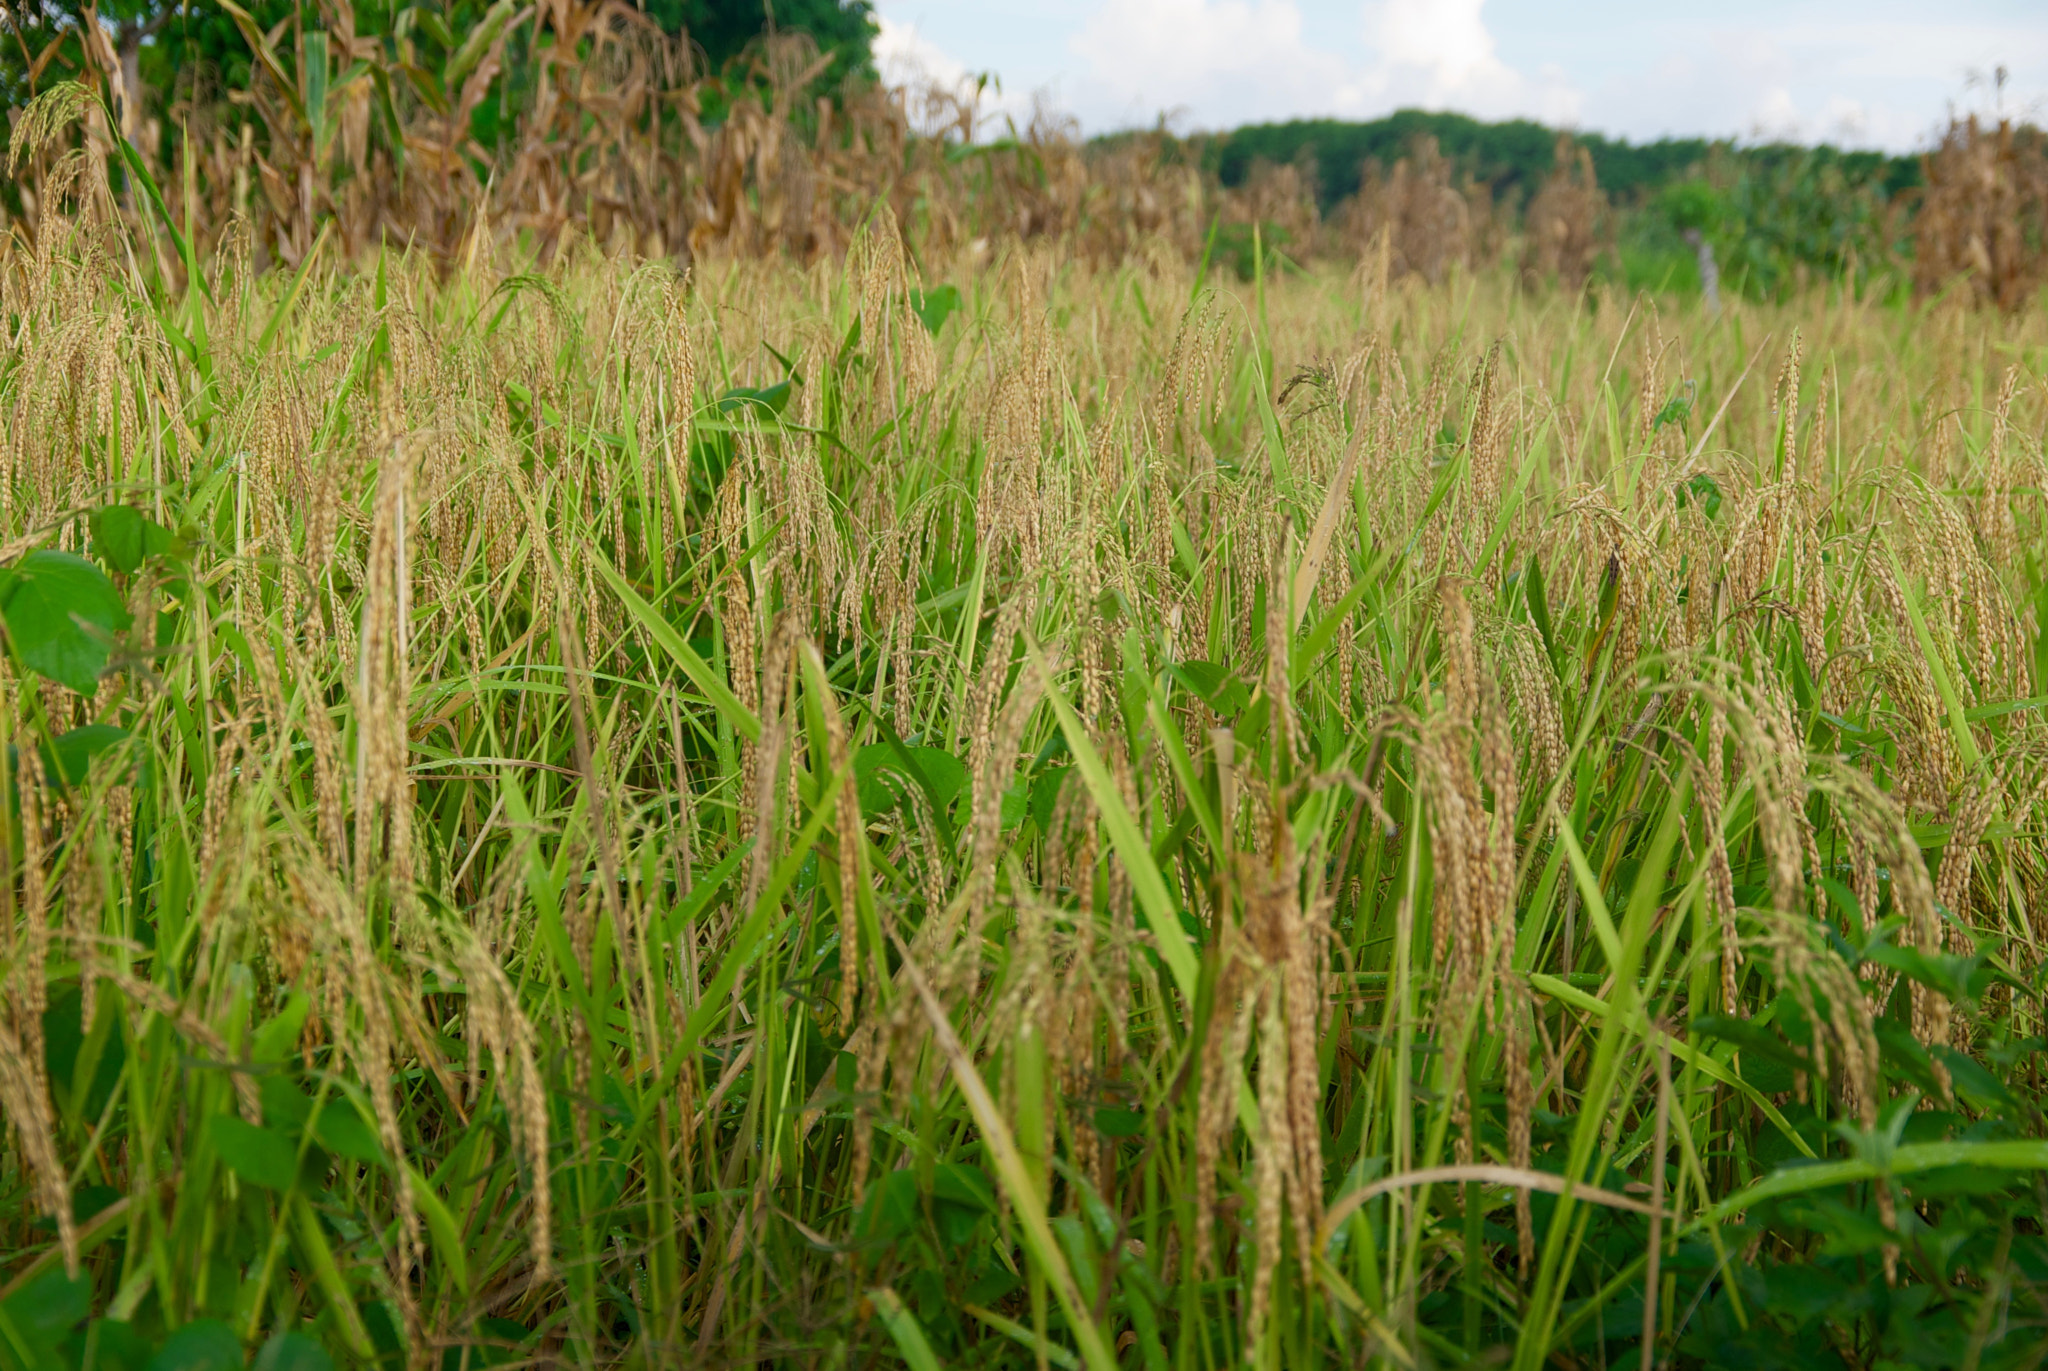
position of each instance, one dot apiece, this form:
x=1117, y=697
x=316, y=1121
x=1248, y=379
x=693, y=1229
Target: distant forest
x=1513, y=157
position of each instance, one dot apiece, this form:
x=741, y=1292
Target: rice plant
x=988, y=809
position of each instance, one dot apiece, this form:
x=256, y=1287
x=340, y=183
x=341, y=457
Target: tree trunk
x=1710, y=271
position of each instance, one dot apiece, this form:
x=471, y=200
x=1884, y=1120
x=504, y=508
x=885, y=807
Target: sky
x=1863, y=73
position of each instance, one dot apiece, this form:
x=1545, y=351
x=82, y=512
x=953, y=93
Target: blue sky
x=1880, y=73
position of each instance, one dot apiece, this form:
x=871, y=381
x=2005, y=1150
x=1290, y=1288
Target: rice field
x=997, y=810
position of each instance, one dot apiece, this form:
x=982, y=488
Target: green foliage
x=1792, y=215
x=935, y=306
x=62, y=615
x=125, y=538
x=1845, y=1291
x=1701, y=489
x=69, y=757
x=295, y=1352
x=844, y=29
x=1779, y=220
x=1692, y=205
x=1247, y=249
x=1513, y=156
x=885, y=771
x=37, y=1319
x=202, y=1345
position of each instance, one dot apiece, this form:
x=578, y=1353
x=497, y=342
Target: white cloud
x=1439, y=54
x=908, y=61
x=1445, y=41
x=1845, y=120
x=904, y=56
x=1225, y=61
x=1775, y=114
x=1881, y=84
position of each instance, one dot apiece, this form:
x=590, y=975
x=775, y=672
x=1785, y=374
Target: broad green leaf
x=1677, y=410
x=759, y=401
x=292, y=1352
x=1219, y=687
x=933, y=307
x=882, y=775
x=339, y=1127
x=498, y=1341
x=891, y=1208
x=1973, y=1083
x=261, y=1156
x=1750, y=1039
x=48, y=1307
x=116, y=1346
x=202, y=1345
x=1119, y=1123
x=62, y=613
x=276, y=1039
x=342, y=1130
x=125, y=537
x=283, y=1102
x=69, y=759
x=2019, y=1155
x=1942, y=971
x=959, y=1183
x=1045, y=795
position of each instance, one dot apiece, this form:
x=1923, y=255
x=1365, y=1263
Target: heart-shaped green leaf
x=70, y=758
x=47, y=1308
x=883, y=775
x=1119, y=1123
x=262, y=1156
x=125, y=538
x=62, y=613
x=292, y=1352
x=202, y=1345
x=933, y=307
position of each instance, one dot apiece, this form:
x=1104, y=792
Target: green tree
x=845, y=29
x=1695, y=210
x=1514, y=157
x=155, y=43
